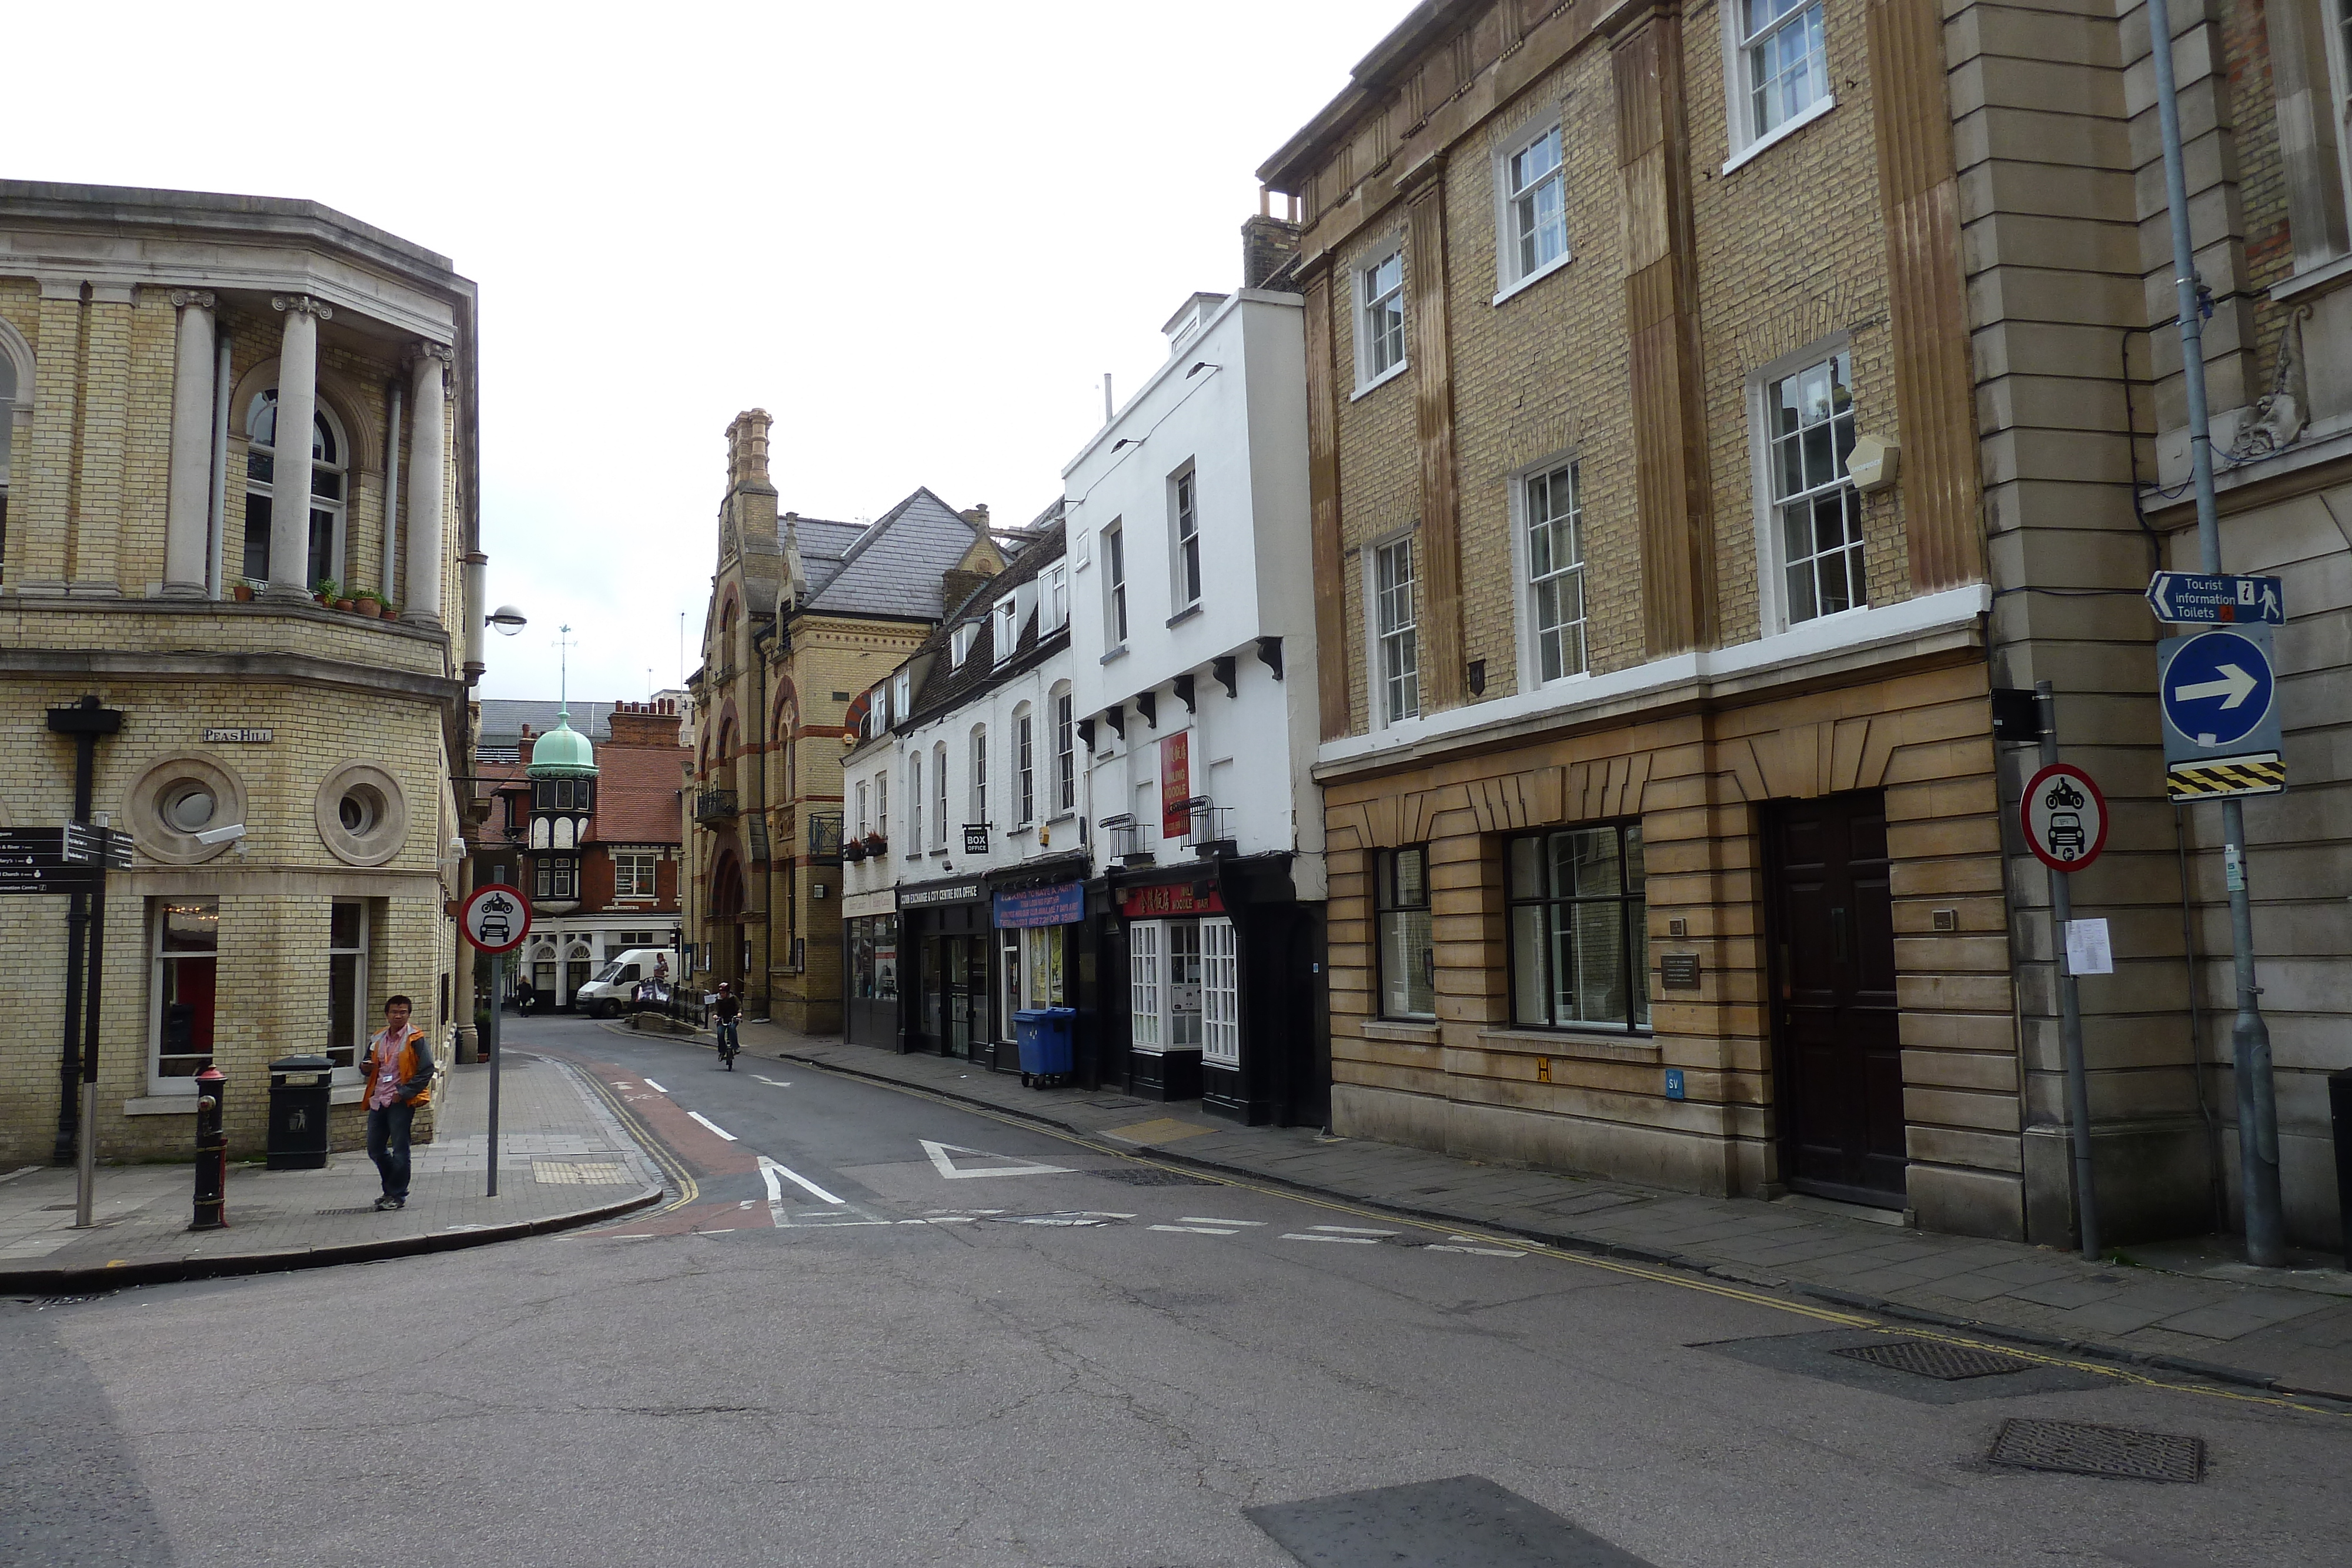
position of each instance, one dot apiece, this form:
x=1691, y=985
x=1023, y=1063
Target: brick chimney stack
x=654, y=723
x=1269, y=242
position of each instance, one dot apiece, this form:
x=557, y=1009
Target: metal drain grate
x=363, y=1209
x=2079, y=1448
x=1150, y=1176
x=1928, y=1358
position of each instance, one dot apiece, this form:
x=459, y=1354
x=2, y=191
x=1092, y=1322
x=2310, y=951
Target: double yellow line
x=688, y=1189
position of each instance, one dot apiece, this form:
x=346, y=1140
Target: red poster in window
x=1175, y=786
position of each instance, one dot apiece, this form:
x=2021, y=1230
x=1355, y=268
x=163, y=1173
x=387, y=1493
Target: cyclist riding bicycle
x=726, y=1010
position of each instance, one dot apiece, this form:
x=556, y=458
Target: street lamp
x=507, y=619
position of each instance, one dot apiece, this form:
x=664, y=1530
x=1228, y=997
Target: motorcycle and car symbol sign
x=496, y=918
x=2064, y=818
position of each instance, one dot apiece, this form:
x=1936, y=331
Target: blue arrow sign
x=2193, y=598
x=2218, y=693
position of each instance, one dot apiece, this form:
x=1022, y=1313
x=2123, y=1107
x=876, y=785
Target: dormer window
x=1006, y=632
x=902, y=694
x=960, y=643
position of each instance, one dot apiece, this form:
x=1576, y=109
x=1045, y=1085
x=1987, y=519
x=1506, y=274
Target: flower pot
x=345, y=605
x=242, y=592
x=320, y=599
x=390, y=614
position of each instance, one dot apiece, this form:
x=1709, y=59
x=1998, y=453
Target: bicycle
x=730, y=1047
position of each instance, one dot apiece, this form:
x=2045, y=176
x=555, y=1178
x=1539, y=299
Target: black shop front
x=946, y=977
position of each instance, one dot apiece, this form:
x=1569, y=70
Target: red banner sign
x=1172, y=900
x=1176, y=785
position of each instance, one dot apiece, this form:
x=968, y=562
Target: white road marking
x=1350, y=1230
x=1356, y=1240
x=712, y=1125
x=1208, y=1219
x=770, y=1082
x=655, y=1087
x=1199, y=1230
x=770, y=1170
x=635, y=1236
x=1010, y=1164
x=715, y=1230
x=1482, y=1252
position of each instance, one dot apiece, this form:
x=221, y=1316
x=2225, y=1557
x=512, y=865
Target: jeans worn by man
x=400, y=1080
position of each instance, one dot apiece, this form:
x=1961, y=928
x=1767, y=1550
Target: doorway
x=1836, y=1044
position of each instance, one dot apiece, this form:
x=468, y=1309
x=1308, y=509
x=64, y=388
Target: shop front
x=944, y=928
x=1182, y=986
x=869, y=932
x=1040, y=956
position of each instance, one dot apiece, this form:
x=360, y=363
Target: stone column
x=428, y=435
x=298, y=406
x=187, y=514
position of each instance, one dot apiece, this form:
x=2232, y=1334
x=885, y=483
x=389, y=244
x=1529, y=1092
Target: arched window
x=914, y=805
x=1065, y=753
x=979, y=776
x=939, y=796
x=330, y=485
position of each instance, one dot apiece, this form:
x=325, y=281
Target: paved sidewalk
x=2190, y=1307
x=563, y=1160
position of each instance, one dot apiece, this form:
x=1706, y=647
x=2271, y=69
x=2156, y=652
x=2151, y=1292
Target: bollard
x=212, y=1152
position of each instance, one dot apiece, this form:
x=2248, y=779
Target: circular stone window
x=363, y=817
x=179, y=798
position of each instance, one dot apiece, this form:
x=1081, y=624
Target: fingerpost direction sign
x=2064, y=818
x=2194, y=598
x=496, y=917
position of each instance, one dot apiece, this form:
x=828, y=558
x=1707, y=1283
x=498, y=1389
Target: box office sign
x=1176, y=785
x=1063, y=904
x=1170, y=901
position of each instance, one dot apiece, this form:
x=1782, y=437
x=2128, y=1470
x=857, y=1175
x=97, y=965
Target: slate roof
x=944, y=687
x=894, y=566
x=504, y=717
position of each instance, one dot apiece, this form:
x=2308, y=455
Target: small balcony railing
x=1209, y=828
x=714, y=805
x=1124, y=838
x=825, y=838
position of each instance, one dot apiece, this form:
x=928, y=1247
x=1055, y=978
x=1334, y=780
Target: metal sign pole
x=2070, y=1011
x=498, y=1005
x=2258, y=1151
x=86, y=1162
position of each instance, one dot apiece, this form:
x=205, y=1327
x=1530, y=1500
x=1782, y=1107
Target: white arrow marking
x=2161, y=592
x=1011, y=1164
x=2233, y=688
x=712, y=1125
x=769, y=1171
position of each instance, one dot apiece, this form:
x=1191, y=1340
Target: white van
x=608, y=996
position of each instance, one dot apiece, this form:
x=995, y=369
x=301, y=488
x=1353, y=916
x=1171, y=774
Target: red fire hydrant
x=212, y=1152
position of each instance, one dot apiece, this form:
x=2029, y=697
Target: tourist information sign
x=2195, y=599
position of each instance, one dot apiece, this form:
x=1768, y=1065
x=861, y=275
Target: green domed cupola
x=562, y=753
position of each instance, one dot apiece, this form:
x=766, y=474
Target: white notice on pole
x=2088, y=951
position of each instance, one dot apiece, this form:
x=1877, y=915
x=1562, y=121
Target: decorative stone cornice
x=184, y=298
x=303, y=304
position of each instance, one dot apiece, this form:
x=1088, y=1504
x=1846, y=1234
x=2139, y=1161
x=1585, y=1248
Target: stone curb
x=176, y=1270
x=1595, y=1246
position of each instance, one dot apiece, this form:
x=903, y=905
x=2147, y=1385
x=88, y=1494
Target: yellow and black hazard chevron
x=2262, y=773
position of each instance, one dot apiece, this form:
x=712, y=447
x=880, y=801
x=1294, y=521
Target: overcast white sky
x=917, y=233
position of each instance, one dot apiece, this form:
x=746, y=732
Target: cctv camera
x=227, y=835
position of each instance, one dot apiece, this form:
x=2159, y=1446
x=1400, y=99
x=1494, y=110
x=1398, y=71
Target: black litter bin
x=298, y=1087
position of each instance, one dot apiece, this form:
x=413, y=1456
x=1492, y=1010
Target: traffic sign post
x=2064, y=816
x=2195, y=599
x=494, y=919
x=2221, y=732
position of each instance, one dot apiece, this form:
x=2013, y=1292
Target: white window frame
x=1511, y=273
x=1025, y=766
x=1220, y=999
x=1004, y=630
x=1773, y=608
x=1523, y=564
x=1376, y=637
x=349, y=1072
x=939, y=795
x=157, y=925
x=336, y=507
x=1057, y=599
x=638, y=860
x=959, y=642
x=1369, y=374
x=978, y=799
x=1115, y=604
x=914, y=805
x=1065, y=752
x=1185, y=574
x=862, y=800
x=1748, y=140
x=882, y=805
x=902, y=694
x=1146, y=940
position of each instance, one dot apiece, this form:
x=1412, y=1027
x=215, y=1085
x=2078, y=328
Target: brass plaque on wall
x=1678, y=971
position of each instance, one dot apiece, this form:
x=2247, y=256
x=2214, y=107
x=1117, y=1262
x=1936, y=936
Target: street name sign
x=495, y=917
x=2195, y=599
x=2064, y=817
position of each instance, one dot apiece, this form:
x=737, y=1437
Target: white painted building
x=1191, y=646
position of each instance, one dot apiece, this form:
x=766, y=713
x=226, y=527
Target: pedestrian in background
x=399, y=1079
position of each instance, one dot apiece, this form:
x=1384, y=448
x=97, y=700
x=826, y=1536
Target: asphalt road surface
x=881, y=1329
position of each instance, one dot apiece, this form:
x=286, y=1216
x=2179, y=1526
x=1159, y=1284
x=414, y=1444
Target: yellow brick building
x=153, y=345
x=804, y=614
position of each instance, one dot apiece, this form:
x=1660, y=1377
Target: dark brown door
x=1835, y=1017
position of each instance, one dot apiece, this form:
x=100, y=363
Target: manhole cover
x=2080, y=1449
x=1946, y=1362
x=1152, y=1175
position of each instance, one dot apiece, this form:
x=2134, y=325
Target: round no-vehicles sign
x=496, y=917
x=2064, y=817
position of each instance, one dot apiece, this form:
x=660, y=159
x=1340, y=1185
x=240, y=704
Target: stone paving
x=562, y=1158
x=2188, y=1303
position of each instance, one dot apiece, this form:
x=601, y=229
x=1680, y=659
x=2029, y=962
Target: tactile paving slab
x=2080, y=1449
x=1928, y=1358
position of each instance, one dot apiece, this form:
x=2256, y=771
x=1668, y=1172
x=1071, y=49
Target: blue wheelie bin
x=1044, y=1036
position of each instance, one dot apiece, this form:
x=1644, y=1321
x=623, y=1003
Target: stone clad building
x=804, y=614
x=154, y=347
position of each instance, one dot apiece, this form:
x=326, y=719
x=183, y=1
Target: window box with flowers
x=875, y=843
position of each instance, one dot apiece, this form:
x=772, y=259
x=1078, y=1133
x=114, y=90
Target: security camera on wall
x=223, y=835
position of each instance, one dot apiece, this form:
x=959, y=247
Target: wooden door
x=1839, y=1061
